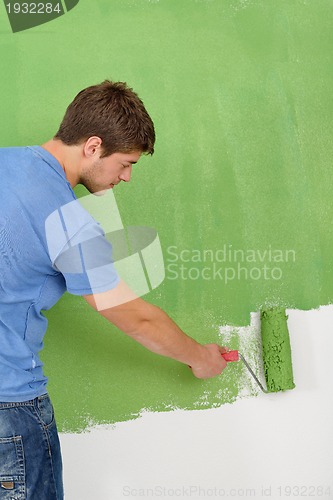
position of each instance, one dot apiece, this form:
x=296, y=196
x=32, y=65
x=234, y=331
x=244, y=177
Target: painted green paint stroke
x=276, y=350
x=240, y=93
x=98, y=375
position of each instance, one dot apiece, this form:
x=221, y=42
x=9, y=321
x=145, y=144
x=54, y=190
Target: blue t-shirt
x=48, y=244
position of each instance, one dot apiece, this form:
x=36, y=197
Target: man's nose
x=126, y=174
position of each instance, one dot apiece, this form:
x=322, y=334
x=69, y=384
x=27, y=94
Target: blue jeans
x=30, y=456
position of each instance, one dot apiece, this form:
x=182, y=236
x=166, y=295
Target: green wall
x=241, y=95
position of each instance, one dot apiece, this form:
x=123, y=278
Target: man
x=47, y=243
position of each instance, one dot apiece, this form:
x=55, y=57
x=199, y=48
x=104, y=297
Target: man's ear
x=92, y=146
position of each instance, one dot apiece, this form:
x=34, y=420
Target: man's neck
x=67, y=156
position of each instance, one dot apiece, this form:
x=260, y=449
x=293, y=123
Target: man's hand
x=212, y=363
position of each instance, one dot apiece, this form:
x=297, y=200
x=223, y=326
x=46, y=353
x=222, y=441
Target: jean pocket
x=45, y=409
x=12, y=469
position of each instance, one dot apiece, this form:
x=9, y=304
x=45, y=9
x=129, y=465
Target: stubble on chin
x=88, y=179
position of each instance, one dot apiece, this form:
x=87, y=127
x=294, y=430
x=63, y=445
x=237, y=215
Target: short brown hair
x=113, y=112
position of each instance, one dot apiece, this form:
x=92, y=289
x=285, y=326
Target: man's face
x=104, y=173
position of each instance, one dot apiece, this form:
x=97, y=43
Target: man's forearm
x=155, y=330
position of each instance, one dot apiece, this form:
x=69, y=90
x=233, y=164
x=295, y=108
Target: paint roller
x=276, y=352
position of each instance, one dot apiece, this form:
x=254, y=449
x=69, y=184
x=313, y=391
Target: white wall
x=255, y=448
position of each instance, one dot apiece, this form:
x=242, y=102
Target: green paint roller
x=276, y=352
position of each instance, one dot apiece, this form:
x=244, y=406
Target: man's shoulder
x=33, y=179
x=14, y=150
x=16, y=155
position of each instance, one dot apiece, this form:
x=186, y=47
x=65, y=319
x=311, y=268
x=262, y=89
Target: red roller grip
x=231, y=356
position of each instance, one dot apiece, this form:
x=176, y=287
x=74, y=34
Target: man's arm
x=155, y=330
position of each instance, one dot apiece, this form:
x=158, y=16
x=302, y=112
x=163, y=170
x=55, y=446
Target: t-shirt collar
x=49, y=158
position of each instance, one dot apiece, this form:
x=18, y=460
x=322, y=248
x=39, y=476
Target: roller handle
x=235, y=356
x=231, y=356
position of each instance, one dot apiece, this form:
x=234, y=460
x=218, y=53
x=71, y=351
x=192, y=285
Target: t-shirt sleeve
x=79, y=250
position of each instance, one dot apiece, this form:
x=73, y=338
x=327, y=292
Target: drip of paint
x=276, y=350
